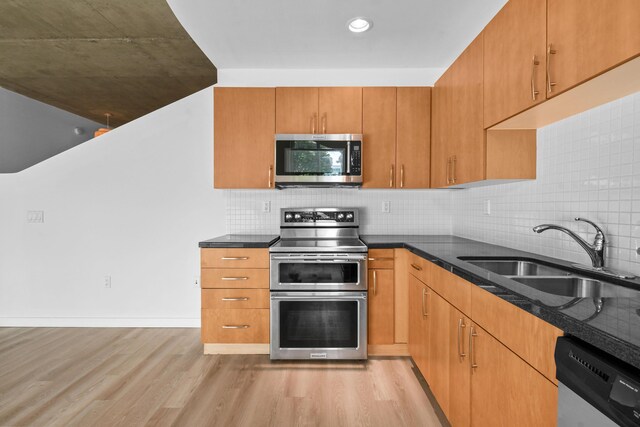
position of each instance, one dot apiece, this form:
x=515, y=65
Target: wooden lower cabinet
x=418, y=325
x=235, y=326
x=439, y=337
x=381, y=307
x=478, y=380
x=459, y=403
x=505, y=390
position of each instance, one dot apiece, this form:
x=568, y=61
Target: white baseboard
x=97, y=322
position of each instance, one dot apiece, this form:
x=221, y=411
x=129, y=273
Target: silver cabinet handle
x=461, y=325
x=391, y=177
x=416, y=267
x=270, y=175
x=424, y=294
x=234, y=258
x=235, y=326
x=314, y=122
x=381, y=259
x=449, y=170
x=550, y=84
x=453, y=169
x=234, y=278
x=472, y=356
x=375, y=283
x=324, y=123
x=235, y=299
x=402, y=176
x=534, y=92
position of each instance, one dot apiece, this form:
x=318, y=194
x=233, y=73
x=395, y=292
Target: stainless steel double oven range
x=319, y=286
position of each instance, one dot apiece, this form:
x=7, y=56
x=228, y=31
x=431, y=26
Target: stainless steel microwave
x=325, y=160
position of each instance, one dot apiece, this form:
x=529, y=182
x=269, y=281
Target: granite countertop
x=616, y=329
x=240, y=241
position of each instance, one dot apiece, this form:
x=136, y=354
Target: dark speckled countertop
x=615, y=330
x=241, y=241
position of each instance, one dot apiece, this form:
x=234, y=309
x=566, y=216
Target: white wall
x=31, y=131
x=589, y=166
x=132, y=204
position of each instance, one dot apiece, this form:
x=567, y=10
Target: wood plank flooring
x=159, y=377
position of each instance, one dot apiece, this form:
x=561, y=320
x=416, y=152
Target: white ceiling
x=303, y=34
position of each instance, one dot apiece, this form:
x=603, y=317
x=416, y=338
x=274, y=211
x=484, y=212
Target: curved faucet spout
x=595, y=251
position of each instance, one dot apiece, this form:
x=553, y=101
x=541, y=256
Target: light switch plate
x=266, y=206
x=487, y=207
x=386, y=207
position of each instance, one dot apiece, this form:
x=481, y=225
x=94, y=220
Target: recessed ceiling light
x=359, y=25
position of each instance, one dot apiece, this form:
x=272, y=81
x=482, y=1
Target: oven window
x=318, y=324
x=309, y=272
x=311, y=157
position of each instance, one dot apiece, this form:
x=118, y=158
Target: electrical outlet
x=196, y=281
x=487, y=207
x=34, y=217
x=386, y=207
x=107, y=281
x=266, y=206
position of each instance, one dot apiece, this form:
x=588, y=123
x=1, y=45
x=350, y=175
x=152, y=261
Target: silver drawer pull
x=416, y=267
x=235, y=278
x=380, y=259
x=236, y=299
x=235, y=326
x=235, y=258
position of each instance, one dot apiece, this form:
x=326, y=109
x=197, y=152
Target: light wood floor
x=107, y=377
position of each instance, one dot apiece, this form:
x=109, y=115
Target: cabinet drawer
x=421, y=268
x=234, y=258
x=381, y=258
x=532, y=339
x=235, y=278
x=235, y=298
x=455, y=290
x=235, y=326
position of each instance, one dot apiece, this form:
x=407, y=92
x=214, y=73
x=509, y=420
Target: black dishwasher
x=595, y=388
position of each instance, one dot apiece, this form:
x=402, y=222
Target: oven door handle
x=316, y=258
x=279, y=297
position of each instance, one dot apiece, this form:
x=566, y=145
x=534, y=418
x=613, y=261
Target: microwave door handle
x=348, y=157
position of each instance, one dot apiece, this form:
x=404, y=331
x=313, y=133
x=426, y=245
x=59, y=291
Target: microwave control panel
x=356, y=159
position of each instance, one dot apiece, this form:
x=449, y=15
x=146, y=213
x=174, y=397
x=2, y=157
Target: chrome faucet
x=595, y=250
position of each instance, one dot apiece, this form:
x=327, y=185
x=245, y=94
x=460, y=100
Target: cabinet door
x=297, y=110
x=590, y=37
x=244, y=125
x=439, y=313
x=340, y=110
x=442, y=144
x=459, y=413
x=505, y=390
x=418, y=325
x=379, y=132
x=413, y=146
x=380, y=307
x=513, y=41
x=468, y=164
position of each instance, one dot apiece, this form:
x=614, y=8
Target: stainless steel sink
x=579, y=287
x=516, y=267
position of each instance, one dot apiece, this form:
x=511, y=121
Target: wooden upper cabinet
x=297, y=110
x=514, y=59
x=443, y=124
x=381, y=307
x=379, y=133
x=589, y=37
x=413, y=140
x=340, y=110
x=469, y=162
x=244, y=126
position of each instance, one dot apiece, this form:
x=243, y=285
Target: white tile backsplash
x=588, y=166
x=412, y=211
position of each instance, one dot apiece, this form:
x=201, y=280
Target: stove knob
x=349, y=216
x=297, y=216
x=288, y=216
x=340, y=216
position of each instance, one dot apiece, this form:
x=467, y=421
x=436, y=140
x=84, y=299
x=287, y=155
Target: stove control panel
x=319, y=217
